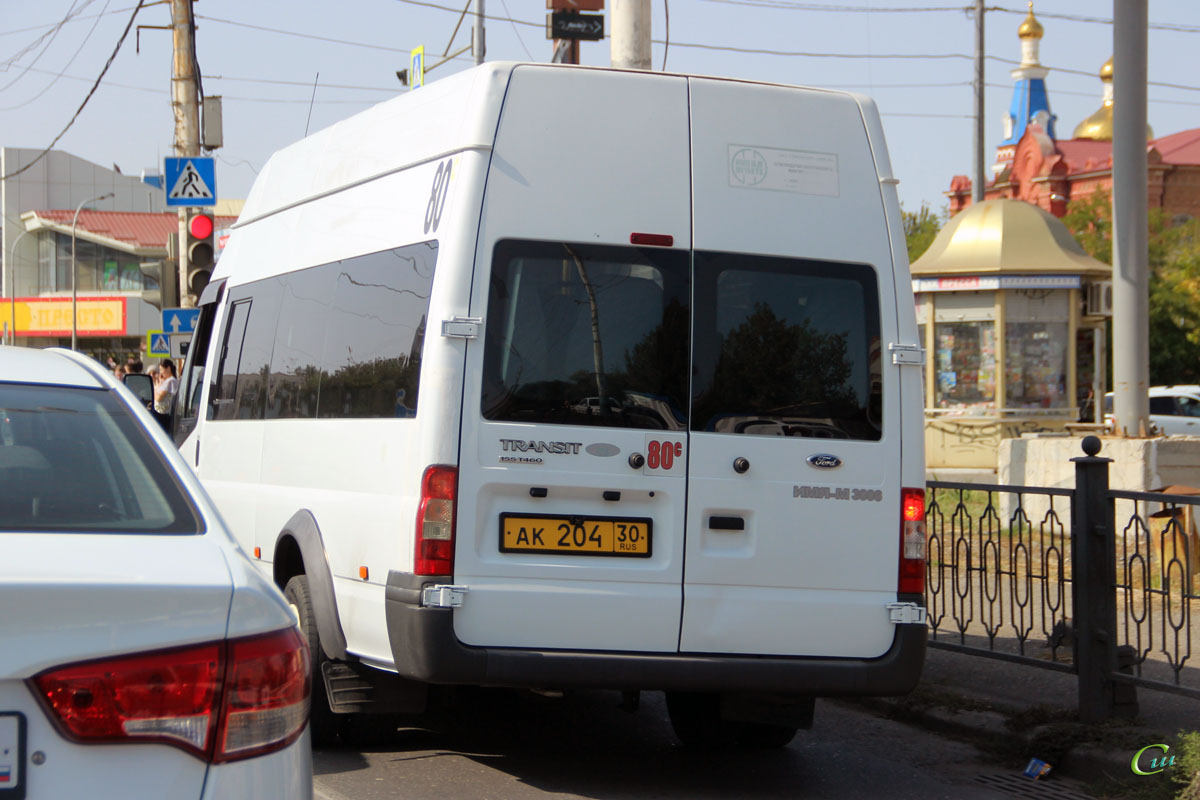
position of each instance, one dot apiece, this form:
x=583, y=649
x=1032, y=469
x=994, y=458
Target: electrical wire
x=70, y=61
x=666, y=33
x=82, y=105
x=48, y=38
x=516, y=31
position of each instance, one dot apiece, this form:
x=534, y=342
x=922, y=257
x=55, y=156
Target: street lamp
x=11, y=269
x=74, y=270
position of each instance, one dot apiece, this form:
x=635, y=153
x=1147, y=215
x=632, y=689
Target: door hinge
x=906, y=613
x=462, y=327
x=907, y=353
x=443, y=596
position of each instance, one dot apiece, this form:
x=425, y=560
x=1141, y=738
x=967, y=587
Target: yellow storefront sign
x=37, y=316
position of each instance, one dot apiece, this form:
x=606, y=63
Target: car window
x=1189, y=406
x=77, y=460
x=1163, y=405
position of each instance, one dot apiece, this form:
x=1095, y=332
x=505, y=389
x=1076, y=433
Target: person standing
x=164, y=390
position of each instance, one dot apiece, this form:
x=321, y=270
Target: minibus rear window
x=582, y=334
x=786, y=347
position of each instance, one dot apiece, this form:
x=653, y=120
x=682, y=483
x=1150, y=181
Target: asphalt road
x=505, y=745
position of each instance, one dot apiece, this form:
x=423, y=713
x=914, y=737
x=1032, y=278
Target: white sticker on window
x=803, y=171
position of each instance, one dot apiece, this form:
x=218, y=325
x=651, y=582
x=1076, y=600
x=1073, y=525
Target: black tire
x=696, y=720
x=765, y=735
x=324, y=724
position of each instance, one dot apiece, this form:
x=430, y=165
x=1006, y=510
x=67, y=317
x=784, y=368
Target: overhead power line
x=91, y=92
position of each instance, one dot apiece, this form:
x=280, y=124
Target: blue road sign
x=158, y=344
x=190, y=181
x=179, y=320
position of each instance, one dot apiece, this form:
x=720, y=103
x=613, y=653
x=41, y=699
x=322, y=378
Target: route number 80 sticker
x=663, y=455
x=437, y=196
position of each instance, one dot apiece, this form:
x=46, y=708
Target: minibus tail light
x=912, y=541
x=435, y=521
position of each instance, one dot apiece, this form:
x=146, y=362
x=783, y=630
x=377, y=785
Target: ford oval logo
x=825, y=461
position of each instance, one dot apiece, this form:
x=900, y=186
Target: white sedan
x=142, y=655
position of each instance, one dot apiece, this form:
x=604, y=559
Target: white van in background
x=390, y=391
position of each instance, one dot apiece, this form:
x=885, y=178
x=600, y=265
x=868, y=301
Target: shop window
x=966, y=364
x=1035, y=365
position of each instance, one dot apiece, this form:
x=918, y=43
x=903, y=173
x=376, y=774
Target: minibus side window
x=375, y=333
x=295, y=375
x=225, y=386
x=191, y=381
x=582, y=334
x=786, y=347
x=251, y=395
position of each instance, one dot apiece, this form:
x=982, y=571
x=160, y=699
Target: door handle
x=726, y=523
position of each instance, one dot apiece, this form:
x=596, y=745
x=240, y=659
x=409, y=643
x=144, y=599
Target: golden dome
x=1006, y=236
x=1099, y=126
x=1030, y=28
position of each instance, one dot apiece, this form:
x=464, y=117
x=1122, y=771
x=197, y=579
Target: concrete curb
x=999, y=728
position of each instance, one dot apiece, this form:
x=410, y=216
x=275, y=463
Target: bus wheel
x=324, y=724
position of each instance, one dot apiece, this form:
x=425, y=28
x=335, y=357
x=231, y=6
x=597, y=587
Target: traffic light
x=199, y=251
x=158, y=280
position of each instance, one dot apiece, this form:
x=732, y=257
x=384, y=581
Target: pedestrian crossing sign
x=190, y=181
x=158, y=345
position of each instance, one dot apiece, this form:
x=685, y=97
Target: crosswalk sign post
x=158, y=344
x=190, y=181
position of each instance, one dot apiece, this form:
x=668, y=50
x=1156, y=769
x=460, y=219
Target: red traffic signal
x=200, y=226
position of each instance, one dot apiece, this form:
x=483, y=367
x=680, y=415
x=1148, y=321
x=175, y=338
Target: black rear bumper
x=426, y=649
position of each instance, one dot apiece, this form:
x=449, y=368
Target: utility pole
x=630, y=34
x=977, y=188
x=1131, y=303
x=478, y=45
x=185, y=102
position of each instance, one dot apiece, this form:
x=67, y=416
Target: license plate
x=12, y=755
x=581, y=536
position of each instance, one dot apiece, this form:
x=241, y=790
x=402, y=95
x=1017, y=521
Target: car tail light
x=435, y=521
x=912, y=541
x=221, y=701
x=265, y=702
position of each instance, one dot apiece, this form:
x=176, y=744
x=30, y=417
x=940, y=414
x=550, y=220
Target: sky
x=284, y=68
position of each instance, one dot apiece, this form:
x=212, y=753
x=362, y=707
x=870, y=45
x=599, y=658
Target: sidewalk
x=1018, y=712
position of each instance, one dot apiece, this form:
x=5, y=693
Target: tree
x=920, y=229
x=1173, y=255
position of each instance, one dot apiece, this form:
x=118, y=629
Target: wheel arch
x=299, y=549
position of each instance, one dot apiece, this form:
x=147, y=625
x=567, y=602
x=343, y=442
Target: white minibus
x=550, y=377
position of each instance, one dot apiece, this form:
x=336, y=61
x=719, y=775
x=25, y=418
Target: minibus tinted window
x=375, y=332
x=251, y=395
x=299, y=339
x=786, y=347
x=222, y=403
x=581, y=334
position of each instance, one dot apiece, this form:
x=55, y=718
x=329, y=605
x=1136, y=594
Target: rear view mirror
x=142, y=387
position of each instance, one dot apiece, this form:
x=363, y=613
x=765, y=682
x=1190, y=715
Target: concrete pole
x=478, y=45
x=185, y=102
x=630, y=34
x=1131, y=302
x=977, y=187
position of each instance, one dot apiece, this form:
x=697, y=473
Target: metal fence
x=1101, y=583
